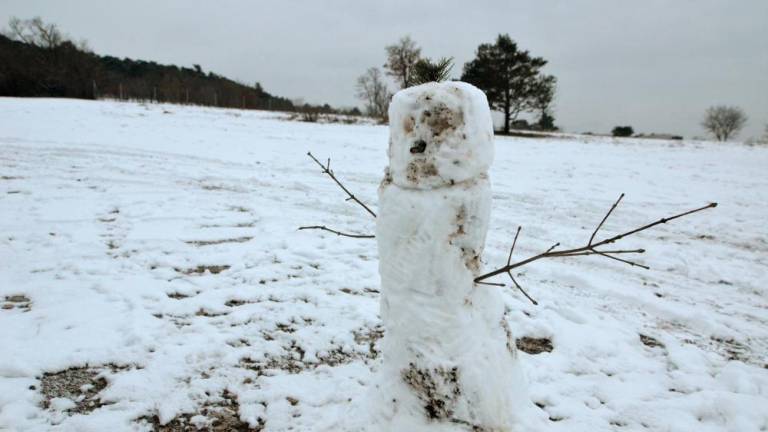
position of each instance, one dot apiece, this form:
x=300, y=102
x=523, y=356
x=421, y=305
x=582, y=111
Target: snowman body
x=449, y=360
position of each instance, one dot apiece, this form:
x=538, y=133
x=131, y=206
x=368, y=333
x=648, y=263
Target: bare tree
x=401, y=59
x=724, y=122
x=372, y=89
x=35, y=32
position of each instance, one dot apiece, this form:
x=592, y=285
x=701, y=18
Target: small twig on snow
x=339, y=233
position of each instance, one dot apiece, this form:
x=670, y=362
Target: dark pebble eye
x=419, y=147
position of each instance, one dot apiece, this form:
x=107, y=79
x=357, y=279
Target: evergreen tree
x=511, y=78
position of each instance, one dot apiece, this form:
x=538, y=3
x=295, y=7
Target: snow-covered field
x=152, y=277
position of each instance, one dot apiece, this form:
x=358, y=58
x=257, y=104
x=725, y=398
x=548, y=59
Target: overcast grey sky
x=652, y=64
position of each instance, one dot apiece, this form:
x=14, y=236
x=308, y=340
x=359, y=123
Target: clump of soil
x=534, y=345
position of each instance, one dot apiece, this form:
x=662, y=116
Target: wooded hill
x=64, y=69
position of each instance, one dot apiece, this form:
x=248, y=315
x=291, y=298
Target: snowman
x=449, y=359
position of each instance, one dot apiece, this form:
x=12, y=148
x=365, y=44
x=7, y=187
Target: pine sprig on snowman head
x=425, y=71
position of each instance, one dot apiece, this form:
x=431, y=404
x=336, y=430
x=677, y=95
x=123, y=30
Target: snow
x=115, y=216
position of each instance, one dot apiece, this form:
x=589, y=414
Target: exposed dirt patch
x=239, y=302
x=81, y=385
x=292, y=360
x=202, y=269
x=200, y=243
x=17, y=301
x=336, y=357
x=209, y=313
x=237, y=225
x=178, y=295
x=370, y=337
x=732, y=349
x=650, y=341
x=366, y=291
x=534, y=345
x=219, y=187
x=222, y=415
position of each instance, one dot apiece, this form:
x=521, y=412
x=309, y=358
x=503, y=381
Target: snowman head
x=440, y=134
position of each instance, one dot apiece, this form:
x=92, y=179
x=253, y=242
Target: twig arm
x=653, y=224
x=327, y=170
x=339, y=233
x=589, y=249
x=613, y=207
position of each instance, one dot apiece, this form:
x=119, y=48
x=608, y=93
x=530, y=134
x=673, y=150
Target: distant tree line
x=37, y=59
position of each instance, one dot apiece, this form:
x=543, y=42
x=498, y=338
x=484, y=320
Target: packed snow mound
x=440, y=134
